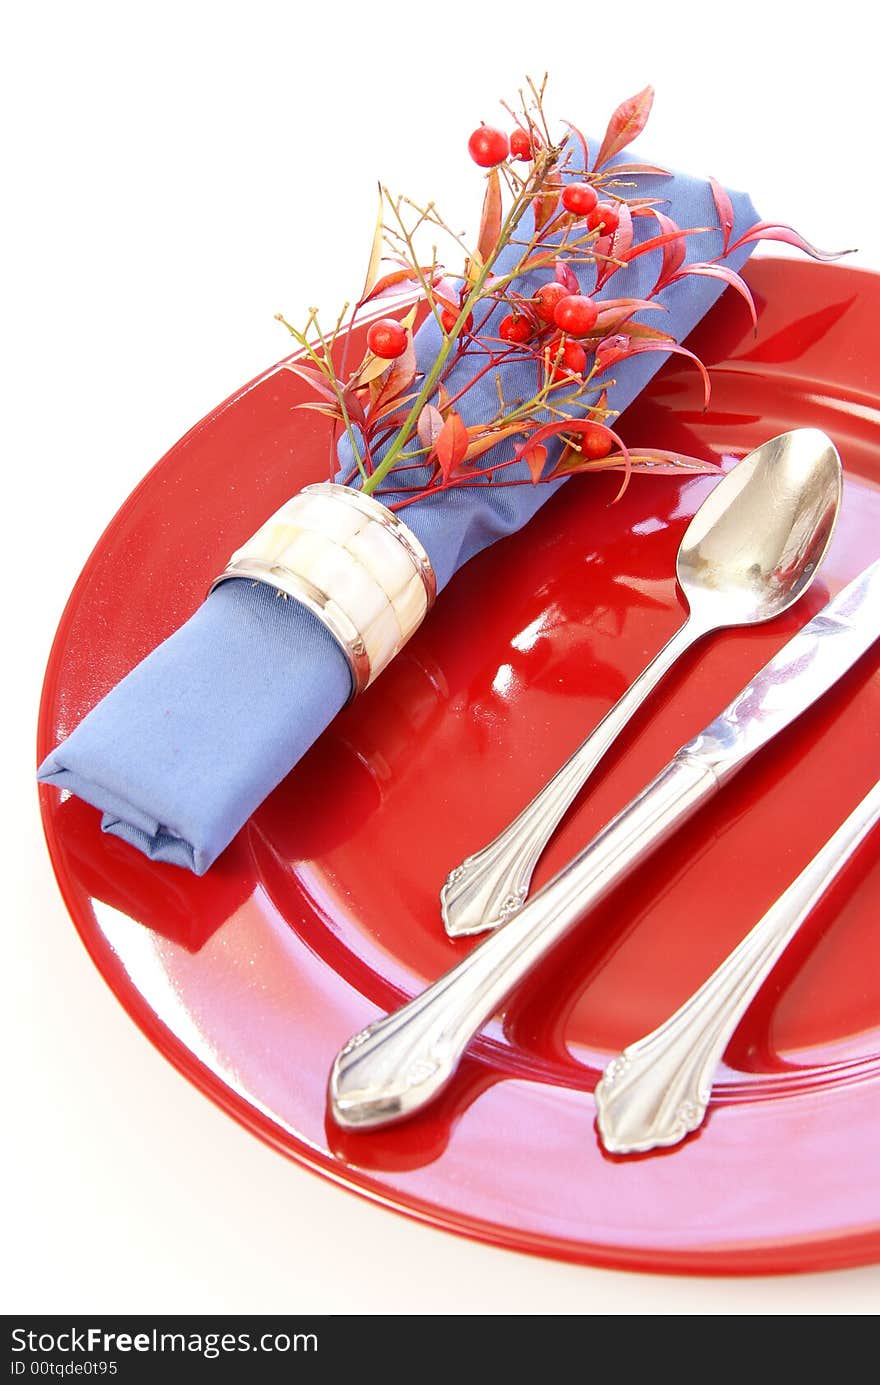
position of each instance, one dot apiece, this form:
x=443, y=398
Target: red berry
x=604, y=216
x=450, y=316
x=576, y=314
x=546, y=299
x=524, y=144
x=566, y=358
x=386, y=338
x=595, y=444
x=488, y=146
x=579, y=198
x=515, y=329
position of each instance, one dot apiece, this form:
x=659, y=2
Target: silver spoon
x=751, y=550
x=657, y=1090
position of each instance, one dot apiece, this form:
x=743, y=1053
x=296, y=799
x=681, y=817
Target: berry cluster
x=583, y=217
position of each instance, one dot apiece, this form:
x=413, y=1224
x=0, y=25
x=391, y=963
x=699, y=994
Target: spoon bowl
x=751, y=550
x=755, y=545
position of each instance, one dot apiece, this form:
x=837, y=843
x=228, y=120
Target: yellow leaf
x=484, y=441
x=474, y=267
x=376, y=366
x=376, y=251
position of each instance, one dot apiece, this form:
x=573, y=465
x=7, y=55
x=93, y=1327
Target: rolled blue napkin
x=182, y=751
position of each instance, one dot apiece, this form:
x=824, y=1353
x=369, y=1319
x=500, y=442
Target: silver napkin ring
x=352, y=563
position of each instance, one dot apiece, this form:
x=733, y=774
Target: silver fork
x=657, y=1090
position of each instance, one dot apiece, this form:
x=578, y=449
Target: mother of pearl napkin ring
x=352, y=563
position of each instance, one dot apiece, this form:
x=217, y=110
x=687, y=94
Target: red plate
x=323, y=912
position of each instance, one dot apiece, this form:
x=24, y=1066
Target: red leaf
x=622, y=238
x=430, y=425
x=445, y=292
x=643, y=168
x=312, y=377
x=611, y=350
x=382, y=412
x=571, y=462
x=633, y=304
x=490, y=223
x=451, y=445
x=730, y=276
x=768, y=230
x=655, y=242
x=621, y=325
x=610, y=320
x=648, y=461
x=659, y=463
x=615, y=349
x=582, y=141
x=566, y=276
x=615, y=313
x=534, y=454
x=563, y=428
x=390, y=281
x=354, y=406
x=673, y=251
x=604, y=266
x=724, y=208
x=394, y=416
x=626, y=124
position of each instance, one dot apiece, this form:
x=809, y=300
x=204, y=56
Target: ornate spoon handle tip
x=492, y=885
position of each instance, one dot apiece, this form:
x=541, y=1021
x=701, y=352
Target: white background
x=174, y=174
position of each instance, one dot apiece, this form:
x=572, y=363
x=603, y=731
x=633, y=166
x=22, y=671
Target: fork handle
x=403, y=1060
x=658, y=1089
x=491, y=885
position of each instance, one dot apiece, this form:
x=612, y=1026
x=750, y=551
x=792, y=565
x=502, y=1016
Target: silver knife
x=402, y=1061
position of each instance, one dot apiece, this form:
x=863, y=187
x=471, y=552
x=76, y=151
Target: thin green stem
x=407, y=236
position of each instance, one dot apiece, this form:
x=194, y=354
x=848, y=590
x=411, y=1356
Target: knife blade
x=807, y=666
x=400, y=1062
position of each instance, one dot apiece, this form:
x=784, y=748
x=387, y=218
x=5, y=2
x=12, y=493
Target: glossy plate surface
x=324, y=911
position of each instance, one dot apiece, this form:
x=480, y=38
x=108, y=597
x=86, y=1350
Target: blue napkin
x=183, y=750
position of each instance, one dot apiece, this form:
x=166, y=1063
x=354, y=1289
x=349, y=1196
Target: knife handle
x=402, y=1061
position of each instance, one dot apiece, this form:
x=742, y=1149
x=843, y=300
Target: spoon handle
x=491, y=885
x=658, y=1089
x=402, y=1061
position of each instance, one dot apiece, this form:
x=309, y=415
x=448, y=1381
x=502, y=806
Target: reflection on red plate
x=324, y=910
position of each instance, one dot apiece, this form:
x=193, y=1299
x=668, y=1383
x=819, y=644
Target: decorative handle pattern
x=404, y=1060
x=658, y=1089
x=490, y=886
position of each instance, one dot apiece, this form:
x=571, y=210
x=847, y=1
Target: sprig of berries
x=400, y=419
